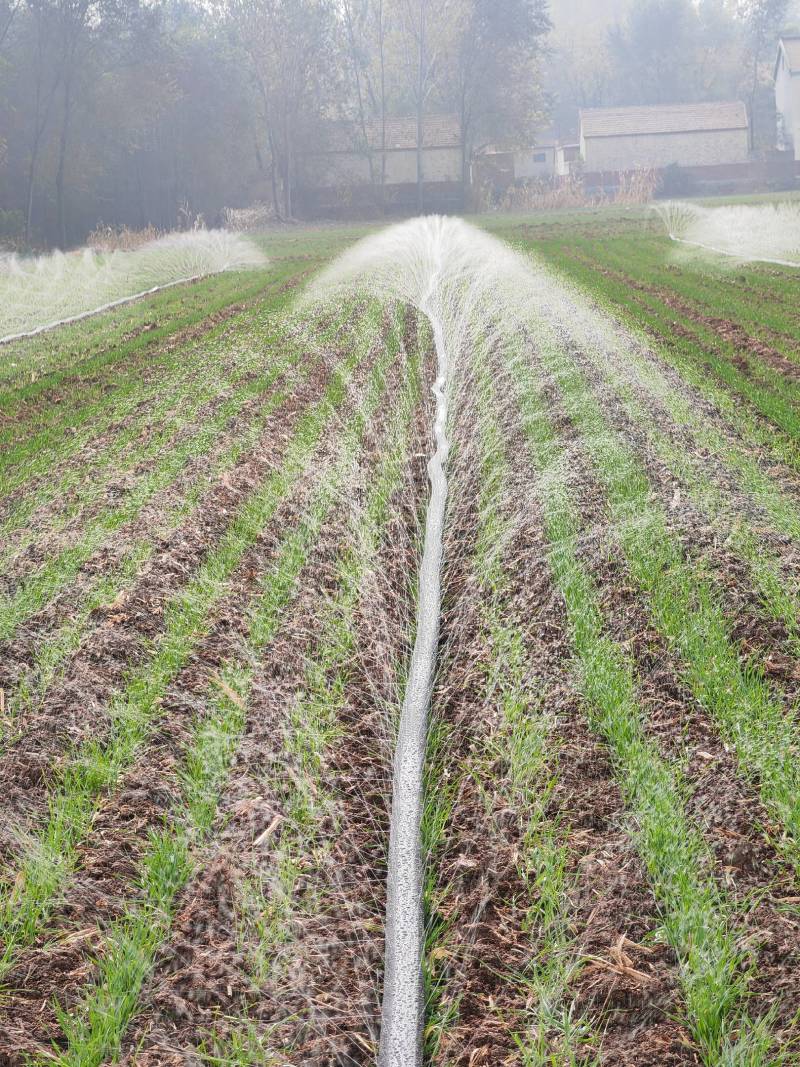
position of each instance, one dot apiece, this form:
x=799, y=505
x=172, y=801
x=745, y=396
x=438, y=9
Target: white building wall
x=787, y=102
x=527, y=164
x=700, y=149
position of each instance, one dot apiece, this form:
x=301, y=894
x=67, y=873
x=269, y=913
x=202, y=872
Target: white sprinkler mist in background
x=765, y=233
x=37, y=293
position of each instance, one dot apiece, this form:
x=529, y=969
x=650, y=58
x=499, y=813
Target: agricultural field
x=214, y=506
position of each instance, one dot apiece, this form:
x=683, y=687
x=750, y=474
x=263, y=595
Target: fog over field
x=399, y=533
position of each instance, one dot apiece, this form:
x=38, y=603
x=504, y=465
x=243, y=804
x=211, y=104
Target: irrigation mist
x=766, y=233
x=38, y=293
x=465, y=283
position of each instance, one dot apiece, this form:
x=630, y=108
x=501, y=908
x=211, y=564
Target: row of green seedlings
x=770, y=391
x=28, y=900
x=699, y=919
x=550, y=1029
x=714, y=378
x=53, y=650
x=760, y=372
x=55, y=575
x=691, y=468
x=189, y=378
x=769, y=318
x=82, y=378
x=94, y=1029
x=275, y=898
x=688, y=609
x=47, y=360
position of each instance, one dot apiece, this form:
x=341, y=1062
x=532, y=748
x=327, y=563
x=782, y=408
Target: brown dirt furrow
x=105, y=882
x=724, y=806
x=629, y=990
x=319, y=991
x=729, y=332
x=121, y=640
x=95, y=448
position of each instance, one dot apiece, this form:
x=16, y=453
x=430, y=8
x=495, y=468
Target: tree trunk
x=62, y=158
x=420, y=108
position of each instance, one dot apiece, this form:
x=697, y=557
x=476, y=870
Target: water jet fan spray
x=461, y=279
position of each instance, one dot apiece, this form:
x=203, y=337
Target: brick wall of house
x=700, y=149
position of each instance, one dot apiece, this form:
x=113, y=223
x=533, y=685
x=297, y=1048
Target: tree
x=762, y=20
x=291, y=51
x=498, y=52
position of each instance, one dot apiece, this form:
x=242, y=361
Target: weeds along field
x=212, y=504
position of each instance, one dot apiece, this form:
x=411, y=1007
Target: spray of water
x=766, y=233
x=463, y=281
x=37, y=294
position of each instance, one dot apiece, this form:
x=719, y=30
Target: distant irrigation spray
x=42, y=293
x=751, y=233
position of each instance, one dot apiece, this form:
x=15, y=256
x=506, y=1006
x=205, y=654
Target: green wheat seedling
x=48, y=860
x=686, y=608
x=697, y=917
x=93, y=1031
x=713, y=378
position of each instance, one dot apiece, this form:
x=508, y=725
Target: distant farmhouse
x=691, y=135
x=378, y=167
x=787, y=94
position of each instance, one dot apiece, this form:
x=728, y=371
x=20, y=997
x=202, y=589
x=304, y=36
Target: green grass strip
x=95, y=1029
x=683, y=355
x=694, y=910
x=687, y=608
x=47, y=862
x=780, y=600
x=42, y=454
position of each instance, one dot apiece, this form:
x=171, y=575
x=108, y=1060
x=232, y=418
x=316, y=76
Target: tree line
x=135, y=112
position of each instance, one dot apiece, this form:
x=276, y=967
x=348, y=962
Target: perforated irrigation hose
x=403, y=1002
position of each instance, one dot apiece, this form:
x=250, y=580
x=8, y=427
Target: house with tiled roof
x=621, y=139
x=787, y=93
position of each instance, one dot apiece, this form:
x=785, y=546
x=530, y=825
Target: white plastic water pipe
x=734, y=255
x=403, y=1002
x=99, y=310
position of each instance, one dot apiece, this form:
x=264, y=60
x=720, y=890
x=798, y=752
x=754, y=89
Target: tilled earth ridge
x=629, y=988
x=320, y=996
x=105, y=883
x=722, y=804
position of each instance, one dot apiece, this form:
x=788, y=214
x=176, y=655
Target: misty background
x=166, y=113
